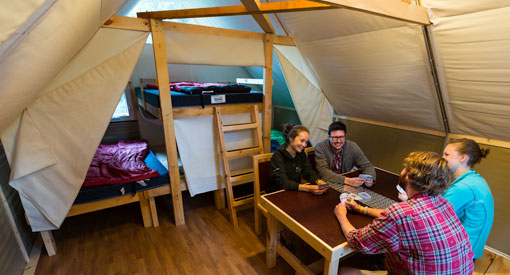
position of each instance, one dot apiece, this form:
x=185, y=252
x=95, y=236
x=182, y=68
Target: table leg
x=331, y=266
x=272, y=240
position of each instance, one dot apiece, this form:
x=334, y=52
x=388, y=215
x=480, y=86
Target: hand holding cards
x=402, y=194
x=367, y=179
x=349, y=197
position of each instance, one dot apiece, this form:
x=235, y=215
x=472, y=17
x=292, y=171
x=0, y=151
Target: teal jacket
x=472, y=200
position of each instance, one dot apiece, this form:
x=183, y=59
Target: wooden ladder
x=238, y=177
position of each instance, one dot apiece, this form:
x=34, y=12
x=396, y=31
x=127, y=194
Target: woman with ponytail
x=289, y=164
x=470, y=194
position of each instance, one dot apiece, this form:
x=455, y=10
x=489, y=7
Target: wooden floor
x=492, y=264
x=114, y=241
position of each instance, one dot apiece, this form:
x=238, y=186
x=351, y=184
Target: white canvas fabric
x=312, y=107
x=14, y=14
x=441, y=8
x=209, y=49
x=382, y=75
x=50, y=148
x=368, y=66
x=28, y=68
x=326, y=24
x=16, y=19
x=474, y=50
x=199, y=150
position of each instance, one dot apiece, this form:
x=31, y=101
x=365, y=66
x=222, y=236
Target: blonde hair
x=427, y=172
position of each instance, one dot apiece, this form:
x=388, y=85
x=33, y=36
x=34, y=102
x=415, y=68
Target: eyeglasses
x=337, y=138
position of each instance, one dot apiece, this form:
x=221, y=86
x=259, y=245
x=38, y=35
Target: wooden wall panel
x=387, y=147
x=11, y=257
x=122, y=130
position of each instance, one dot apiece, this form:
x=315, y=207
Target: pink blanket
x=118, y=163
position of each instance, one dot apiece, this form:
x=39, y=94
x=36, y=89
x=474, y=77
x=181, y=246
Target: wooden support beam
x=482, y=140
x=127, y=23
x=261, y=19
x=197, y=111
x=396, y=9
x=263, y=8
x=268, y=91
x=49, y=242
x=158, y=42
x=139, y=24
x=394, y=125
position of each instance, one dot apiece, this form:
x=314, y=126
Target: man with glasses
x=336, y=155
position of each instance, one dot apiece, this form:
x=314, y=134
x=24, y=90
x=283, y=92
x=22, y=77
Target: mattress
x=186, y=100
x=111, y=191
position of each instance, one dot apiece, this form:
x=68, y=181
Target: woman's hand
x=316, y=190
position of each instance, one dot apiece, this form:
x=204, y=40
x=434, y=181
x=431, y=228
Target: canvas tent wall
x=51, y=129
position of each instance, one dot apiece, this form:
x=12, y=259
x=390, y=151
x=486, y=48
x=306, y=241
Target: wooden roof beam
x=396, y=9
x=139, y=24
x=275, y=7
x=261, y=19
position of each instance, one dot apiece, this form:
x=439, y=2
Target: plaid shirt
x=336, y=166
x=419, y=236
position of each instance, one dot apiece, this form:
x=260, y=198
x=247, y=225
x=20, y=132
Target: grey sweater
x=352, y=156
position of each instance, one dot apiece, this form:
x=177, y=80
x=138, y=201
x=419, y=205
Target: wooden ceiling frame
x=261, y=19
x=139, y=24
x=395, y=9
x=262, y=8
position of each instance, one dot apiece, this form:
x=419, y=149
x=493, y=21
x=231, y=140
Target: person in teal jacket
x=470, y=194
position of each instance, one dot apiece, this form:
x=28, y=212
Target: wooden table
x=312, y=219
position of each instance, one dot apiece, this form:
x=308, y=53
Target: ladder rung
x=238, y=172
x=243, y=152
x=243, y=201
x=237, y=180
x=240, y=127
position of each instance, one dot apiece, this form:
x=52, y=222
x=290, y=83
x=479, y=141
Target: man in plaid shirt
x=421, y=235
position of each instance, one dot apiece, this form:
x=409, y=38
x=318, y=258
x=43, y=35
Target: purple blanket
x=118, y=163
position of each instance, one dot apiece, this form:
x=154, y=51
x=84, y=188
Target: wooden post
x=268, y=90
x=49, y=243
x=158, y=42
x=219, y=198
x=134, y=100
x=145, y=209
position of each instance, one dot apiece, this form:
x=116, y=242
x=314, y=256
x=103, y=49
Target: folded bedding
x=194, y=88
x=119, y=163
x=180, y=99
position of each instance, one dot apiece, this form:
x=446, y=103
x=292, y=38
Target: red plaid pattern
x=419, y=236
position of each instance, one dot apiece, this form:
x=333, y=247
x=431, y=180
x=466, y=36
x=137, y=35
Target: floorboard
x=114, y=241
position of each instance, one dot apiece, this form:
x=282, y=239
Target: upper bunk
x=196, y=99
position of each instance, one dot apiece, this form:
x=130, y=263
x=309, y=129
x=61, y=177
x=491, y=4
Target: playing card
x=365, y=176
x=364, y=196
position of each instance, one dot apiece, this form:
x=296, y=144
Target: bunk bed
x=233, y=98
x=167, y=113
x=189, y=94
x=102, y=192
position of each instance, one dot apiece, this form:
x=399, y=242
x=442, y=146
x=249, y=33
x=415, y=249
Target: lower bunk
x=91, y=199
